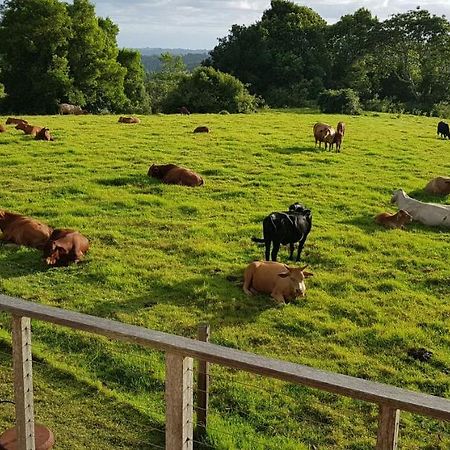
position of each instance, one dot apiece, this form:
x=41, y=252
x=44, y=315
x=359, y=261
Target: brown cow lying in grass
x=44, y=135
x=28, y=129
x=11, y=120
x=439, y=186
x=397, y=220
x=172, y=174
x=2, y=128
x=22, y=230
x=280, y=281
x=64, y=247
x=129, y=120
x=201, y=130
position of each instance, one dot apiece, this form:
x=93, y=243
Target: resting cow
x=67, y=108
x=44, y=135
x=64, y=247
x=15, y=121
x=28, y=129
x=2, y=128
x=427, y=213
x=129, y=120
x=22, y=230
x=397, y=220
x=201, y=130
x=286, y=228
x=172, y=174
x=280, y=281
x=439, y=186
x=443, y=129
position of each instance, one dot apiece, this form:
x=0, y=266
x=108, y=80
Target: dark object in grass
x=64, y=247
x=285, y=228
x=443, y=130
x=421, y=354
x=201, y=130
x=184, y=111
x=173, y=174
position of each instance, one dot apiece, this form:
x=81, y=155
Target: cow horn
x=303, y=268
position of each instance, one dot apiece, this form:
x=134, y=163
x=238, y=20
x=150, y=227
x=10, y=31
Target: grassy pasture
x=169, y=257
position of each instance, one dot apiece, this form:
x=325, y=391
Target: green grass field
x=170, y=257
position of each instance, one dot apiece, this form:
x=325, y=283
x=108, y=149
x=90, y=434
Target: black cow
x=443, y=130
x=286, y=228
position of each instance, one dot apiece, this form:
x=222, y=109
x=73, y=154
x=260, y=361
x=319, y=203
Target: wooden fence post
x=179, y=402
x=388, y=423
x=202, y=385
x=23, y=382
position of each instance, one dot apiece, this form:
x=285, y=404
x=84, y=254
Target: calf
x=286, y=228
x=44, y=135
x=22, y=230
x=438, y=186
x=129, y=120
x=397, y=220
x=280, y=281
x=64, y=247
x=172, y=174
x=201, y=130
x=11, y=120
x=443, y=129
x=28, y=129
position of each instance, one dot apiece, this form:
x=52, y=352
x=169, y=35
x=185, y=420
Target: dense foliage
x=55, y=52
x=343, y=101
x=290, y=55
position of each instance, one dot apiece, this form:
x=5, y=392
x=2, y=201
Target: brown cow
x=274, y=278
x=28, y=129
x=65, y=246
x=201, y=130
x=397, y=220
x=129, y=120
x=172, y=174
x=22, y=230
x=44, y=135
x=2, y=128
x=184, y=111
x=13, y=120
x=339, y=136
x=438, y=186
x=323, y=133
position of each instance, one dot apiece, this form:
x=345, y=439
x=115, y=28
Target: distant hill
x=150, y=57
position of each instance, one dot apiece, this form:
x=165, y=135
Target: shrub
x=343, y=101
x=208, y=90
x=441, y=109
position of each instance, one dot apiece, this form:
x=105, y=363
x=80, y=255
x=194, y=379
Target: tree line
x=54, y=52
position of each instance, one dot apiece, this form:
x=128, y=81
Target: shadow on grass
x=423, y=196
x=18, y=261
x=134, y=180
x=294, y=150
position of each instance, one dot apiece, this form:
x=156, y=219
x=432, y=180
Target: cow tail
x=258, y=240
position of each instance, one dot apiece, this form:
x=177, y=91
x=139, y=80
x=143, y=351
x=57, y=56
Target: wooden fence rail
x=180, y=352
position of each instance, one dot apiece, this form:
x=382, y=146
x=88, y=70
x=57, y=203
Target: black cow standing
x=443, y=130
x=286, y=228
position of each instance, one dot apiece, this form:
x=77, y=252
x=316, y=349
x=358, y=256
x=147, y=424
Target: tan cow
x=439, y=186
x=2, y=128
x=280, y=281
x=398, y=220
x=28, y=129
x=173, y=174
x=323, y=133
x=129, y=120
x=65, y=246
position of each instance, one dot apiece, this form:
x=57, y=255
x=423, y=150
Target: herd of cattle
x=64, y=246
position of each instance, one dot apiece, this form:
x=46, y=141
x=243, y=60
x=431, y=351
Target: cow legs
x=278, y=297
x=275, y=249
x=267, y=243
x=300, y=247
x=291, y=249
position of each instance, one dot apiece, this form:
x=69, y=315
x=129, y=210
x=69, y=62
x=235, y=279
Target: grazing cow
x=439, y=186
x=172, y=174
x=280, y=281
x=184, y=111
x=64, y=247
x=286, y=228
x=397, y=220
x=67, y=108
x=44, y=135
x=443, y=130
x=201, y=130
x=323, y=133
x=28, y=129
x=22, y=230
x=427, y=213
x=15, y=121
x=2, y=128
x=129, y=120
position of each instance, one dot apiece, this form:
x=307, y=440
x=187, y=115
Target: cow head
x=398, y=193
x=404, y=216
x=296, y=278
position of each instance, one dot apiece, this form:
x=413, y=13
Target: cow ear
x=307, y=274
x=284, y=274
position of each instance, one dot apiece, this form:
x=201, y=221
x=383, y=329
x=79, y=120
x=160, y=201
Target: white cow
x=426, y=213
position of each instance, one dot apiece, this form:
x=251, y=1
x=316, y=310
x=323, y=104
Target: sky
x=197, y=24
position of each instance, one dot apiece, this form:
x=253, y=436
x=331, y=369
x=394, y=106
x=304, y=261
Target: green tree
x=98, y=76
x=138, y=99
x=34, y=36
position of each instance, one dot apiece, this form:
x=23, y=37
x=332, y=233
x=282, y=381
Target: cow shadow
x=295, y=150
x=133, y=180
x=366, y=223
x=424, y=196
x=17, y=261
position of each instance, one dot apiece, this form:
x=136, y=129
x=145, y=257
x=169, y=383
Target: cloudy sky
x=197, y=24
